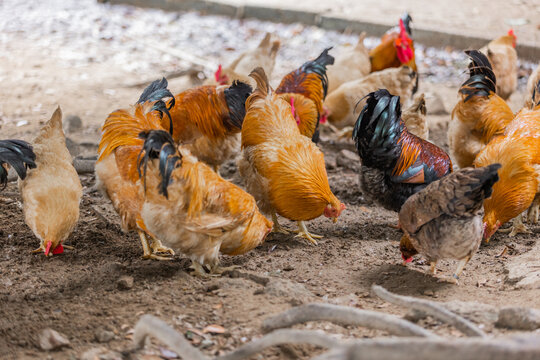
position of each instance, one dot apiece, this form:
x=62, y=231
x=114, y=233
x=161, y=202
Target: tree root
x=430, y=308
x=82, y=166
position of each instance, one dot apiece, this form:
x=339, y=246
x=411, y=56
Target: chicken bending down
x=395, y=163
x=19, y=155
x=192, y=209
x=444, y=220
x=305, y=90
x=502, y=55
x=283, y=169
x=480, y=114
x=207, y=119
x=51, y=192
x=518, y=151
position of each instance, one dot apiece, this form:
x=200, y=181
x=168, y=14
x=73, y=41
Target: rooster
x=396, y=49
x=518, y=151
x=444, y=220
x=305, y=90
x=395, y=163
x=480, y=113
x=502, y=55
x=283, y=169
x=206, y=119
x=19, y=155
x=51, y=192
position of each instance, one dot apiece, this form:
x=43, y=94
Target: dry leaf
x=214, y=329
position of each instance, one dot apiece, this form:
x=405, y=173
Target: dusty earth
x=78, y=293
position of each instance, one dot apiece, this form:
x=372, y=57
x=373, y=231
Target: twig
x=345, y=316
x=280, y=337
x=151, y=325
x=430, y=308
x=82, y=166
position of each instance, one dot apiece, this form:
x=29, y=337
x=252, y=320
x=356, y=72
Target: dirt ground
x=77, y=293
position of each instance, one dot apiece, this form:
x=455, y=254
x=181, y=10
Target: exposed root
x=430, y=308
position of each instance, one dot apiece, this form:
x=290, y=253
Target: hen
x=444, y=220
x=395, y=163
x=264, y=55
x=414, y=117
x=518, y=151
x=283, y=169
x=342, y=103
x=206, y=119
x=480, y=113
x=502, y=55
x=305, y=90
x=51, y=192
x=19, y=155
x=351, y=64
x=533, y=95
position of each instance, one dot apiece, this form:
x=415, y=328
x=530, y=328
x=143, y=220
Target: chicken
x=305, y=90
x=444, y=220
x=351, y=64
x=192, y=209
x=479, y=115
x=533, y=95
x=518, y=151
x=164, y=193
x=283, y=169
x=342, y=103
x=206, y=119
x=502, y=55
x=51, y=192
x=17, y=154
x=264, y=55
x=396, y=49
x=395, y=163
x=414, y=117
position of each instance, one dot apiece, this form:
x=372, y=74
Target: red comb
x=511, y=32
x=58, y=250
x=217, y=74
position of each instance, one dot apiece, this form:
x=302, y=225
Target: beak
x=48, y=248
x=334, y=220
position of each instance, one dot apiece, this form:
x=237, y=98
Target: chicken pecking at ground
x=305, y=90
x=284, y=170
x=343, y=102
x=165, y=193
x=395, y=163
x=264, y=55
x=19, y=155
x=351, y=63
x=502, y=55
x=444, y=220
x=207, y=119
x=51, y=192
x=479, y=115
x=518, y=151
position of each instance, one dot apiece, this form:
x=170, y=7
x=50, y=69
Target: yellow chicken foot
x=41, y=248
x=304, y=233
x=218, y=270
x=277, y=228
x=534, y=211
x=517, y=227
x=198, y=270
x=461, y=265
x=158, y=247
x=147, y=250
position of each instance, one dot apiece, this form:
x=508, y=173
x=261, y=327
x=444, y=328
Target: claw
x=304, y=233
x=218, y=270
x=158, y=247
x=148, y=251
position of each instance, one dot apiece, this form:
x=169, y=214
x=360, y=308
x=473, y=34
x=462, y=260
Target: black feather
x=484, y=178
x=407, y=22
x=19, y=155
x=157, y=91
x=159, y=144
x=236, y=96
x=482, y=79
x=318, y=66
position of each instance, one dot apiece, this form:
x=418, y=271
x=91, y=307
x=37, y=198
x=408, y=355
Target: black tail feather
x=19, y=155
x=407, y=22
x=318, y=66
x=378, y=129
x=482, y=79
x=157, y=91
x=486, y=177
x=159, y=144
x=236, y=96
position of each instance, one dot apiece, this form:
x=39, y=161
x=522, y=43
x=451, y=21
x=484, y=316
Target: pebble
x=519, y=319
x=103, y=335
x=50, y=339
x=125, y=283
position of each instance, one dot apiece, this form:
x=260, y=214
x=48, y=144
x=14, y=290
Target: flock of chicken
x=158, y=160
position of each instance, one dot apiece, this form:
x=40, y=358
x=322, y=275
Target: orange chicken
x=283, y=169
x=51, y=192
x=502, y=55
x=479, y=115
x=19, y=155
x=518, y=151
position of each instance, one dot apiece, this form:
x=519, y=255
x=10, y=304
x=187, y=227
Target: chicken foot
x=534, y=210
x=278, y=228
x=149, y=252
x=517, y=227
x=304, y=233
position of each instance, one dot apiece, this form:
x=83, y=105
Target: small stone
x=52, y=340
x=103, y=335
x=72, y=123
x=330, y=163
x=519, y=319
x=429, y=292
x=125, y=283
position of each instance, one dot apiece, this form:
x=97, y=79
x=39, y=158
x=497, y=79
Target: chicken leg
x=304, y=233
x=277, y=228
x=533, y=212
x=148, y=251
x=517, y=227
x=218, y=270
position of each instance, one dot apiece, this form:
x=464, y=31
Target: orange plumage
x=283, y=169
